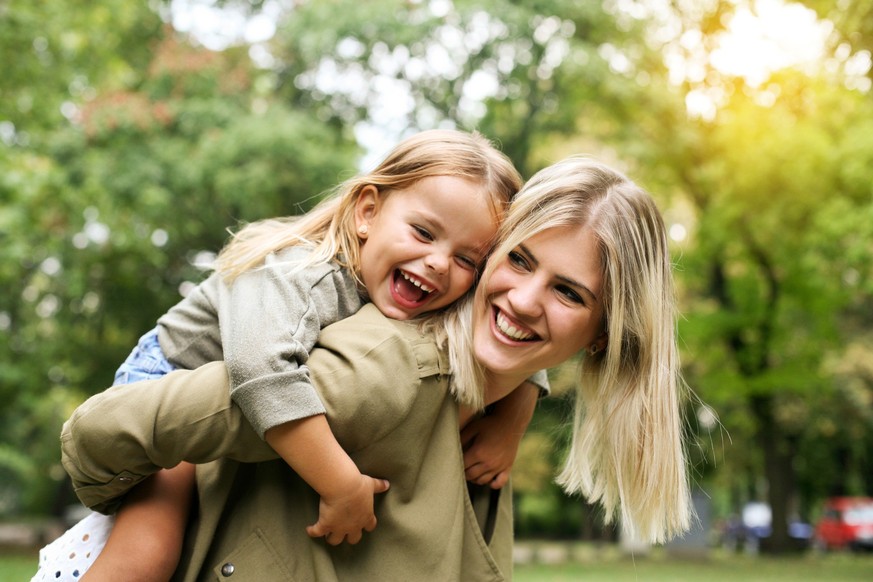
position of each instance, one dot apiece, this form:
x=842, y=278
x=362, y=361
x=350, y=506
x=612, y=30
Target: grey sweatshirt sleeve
x=270, y=320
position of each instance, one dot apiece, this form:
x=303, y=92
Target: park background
x=134, y=133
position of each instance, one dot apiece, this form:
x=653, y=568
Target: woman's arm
x=364, y=369
x=118, y=437
x=491, y=442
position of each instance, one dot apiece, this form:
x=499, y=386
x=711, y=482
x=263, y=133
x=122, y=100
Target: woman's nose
x=525, y=298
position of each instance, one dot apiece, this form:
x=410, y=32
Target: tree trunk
x=779, y=472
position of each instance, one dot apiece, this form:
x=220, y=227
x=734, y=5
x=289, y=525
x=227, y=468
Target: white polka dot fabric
x=69, y=557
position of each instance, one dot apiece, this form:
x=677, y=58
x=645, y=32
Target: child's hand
x=347, y=516
x=491, y=442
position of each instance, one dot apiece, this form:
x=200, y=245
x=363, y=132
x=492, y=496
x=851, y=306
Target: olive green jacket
x=385, y=388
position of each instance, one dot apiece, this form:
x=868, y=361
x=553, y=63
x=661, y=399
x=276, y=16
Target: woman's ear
x=599, y=344
x=366, y=209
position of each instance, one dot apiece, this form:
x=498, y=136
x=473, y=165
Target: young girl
x=409, y=237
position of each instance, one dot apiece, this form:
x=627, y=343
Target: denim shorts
x=146, y=362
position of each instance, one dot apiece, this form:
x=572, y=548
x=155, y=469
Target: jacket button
x=227, y=570
x=125, y=479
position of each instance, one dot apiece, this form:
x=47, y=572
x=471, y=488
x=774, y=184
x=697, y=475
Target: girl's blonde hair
x=627, y=446
x=330, y=227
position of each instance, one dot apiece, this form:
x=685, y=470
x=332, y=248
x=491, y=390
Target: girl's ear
x=366, y=209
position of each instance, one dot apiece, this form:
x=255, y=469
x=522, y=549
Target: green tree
x=55, y=54
x=775, y=191
x=105, y=215
x=520, y=72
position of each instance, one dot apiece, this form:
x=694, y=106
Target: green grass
x=610, y=566
x=17, y=567
x=718, y=567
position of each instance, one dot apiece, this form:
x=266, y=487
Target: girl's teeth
x=511, y=330
x=417, y=283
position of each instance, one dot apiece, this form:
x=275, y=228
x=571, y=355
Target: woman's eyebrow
x=581, y=286
x=568, y=280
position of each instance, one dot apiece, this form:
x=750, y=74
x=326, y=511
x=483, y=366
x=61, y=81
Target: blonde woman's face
x=424, y=244
x=542, y=304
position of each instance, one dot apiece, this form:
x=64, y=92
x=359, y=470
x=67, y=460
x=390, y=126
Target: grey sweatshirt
x=263, y=326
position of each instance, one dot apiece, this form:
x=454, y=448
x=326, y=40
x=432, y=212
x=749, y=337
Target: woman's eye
x=422, y=232
x=569, y=294
x=517, y=260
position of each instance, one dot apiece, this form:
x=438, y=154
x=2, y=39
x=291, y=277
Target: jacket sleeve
x=118, y=437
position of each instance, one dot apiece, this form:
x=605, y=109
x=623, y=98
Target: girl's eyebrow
x=437, y=224
x=568, y=280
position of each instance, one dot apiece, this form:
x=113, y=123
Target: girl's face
x=542, y=304
x=424, y=244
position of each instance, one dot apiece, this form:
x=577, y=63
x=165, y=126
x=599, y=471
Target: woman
x=582, y=266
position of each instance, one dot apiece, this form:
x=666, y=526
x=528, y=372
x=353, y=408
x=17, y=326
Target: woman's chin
x=500, y=361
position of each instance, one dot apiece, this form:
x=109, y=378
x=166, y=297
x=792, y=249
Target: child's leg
x=146, y=542
x=145, y=539
x=69, y=556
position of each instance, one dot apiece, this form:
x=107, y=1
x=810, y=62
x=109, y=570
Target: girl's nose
x=437, y=262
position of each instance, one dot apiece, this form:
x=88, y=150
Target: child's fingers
x=371, y=525
x=317, y=530
x=334, y=538
x=500, y=480
x=479, y=473
x=354, y=538
x=380, y=486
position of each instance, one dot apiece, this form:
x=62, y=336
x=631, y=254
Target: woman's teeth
x=510, y=330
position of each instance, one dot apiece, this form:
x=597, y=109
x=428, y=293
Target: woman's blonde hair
x=330, y=227
x=627, y=448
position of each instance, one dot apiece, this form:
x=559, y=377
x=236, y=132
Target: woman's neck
x=499, y=385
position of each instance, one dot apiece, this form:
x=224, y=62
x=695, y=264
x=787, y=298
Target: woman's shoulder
x=368, y=334
x=371, y=372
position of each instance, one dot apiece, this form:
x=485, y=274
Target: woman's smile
x=510, y=329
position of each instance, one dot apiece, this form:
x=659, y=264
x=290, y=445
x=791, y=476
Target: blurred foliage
x=104, y=214
x=126, y=151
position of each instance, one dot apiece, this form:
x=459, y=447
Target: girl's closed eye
x=422, y=233
x=467, y=263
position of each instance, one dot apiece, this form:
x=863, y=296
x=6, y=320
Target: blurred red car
x=847, y=522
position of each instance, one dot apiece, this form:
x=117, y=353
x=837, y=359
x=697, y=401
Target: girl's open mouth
x=409, y=288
